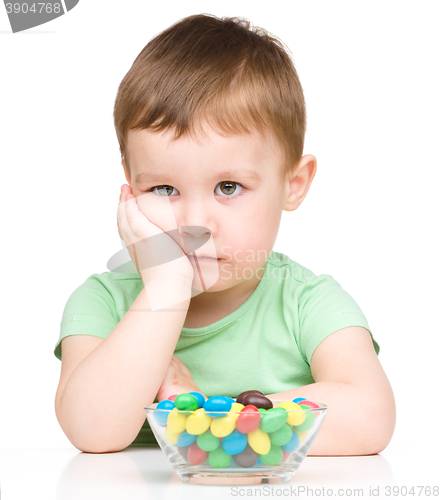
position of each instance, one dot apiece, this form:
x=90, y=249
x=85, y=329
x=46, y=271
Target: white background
x=371, y=78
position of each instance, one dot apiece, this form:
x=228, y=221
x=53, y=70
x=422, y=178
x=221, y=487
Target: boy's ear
x=300, y=181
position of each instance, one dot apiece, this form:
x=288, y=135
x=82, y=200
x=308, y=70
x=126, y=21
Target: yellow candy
x=176, y=421
x=302, y=435
x=222, y=426
x=236, y=407
x=171, y=437
x=295, y=418
x=198, y=422
x=259, y=441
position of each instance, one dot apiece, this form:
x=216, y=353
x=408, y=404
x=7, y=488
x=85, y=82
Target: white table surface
x=144, y=473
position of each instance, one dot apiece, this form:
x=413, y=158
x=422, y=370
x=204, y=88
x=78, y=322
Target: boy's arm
x=101, y=405
x=350, y=380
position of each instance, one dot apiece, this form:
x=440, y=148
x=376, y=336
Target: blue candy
x=216, y=404
x=186, y=439
x=199, y=397
x=161, y=416
x=235, y=442
x=293, y=443
x=296, y=401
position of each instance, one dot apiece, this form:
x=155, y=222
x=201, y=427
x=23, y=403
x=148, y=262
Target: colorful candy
x=186, y=401
x=235, y=442
x=217, y=404
x=198, y=422
x=248, y=419
x=221, y=431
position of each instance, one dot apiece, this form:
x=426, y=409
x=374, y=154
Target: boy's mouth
x=202, y=257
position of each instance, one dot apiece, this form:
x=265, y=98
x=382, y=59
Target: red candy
x=195, y=455
x=310, y=404
x=248, y=419
x=286, y=454
x=172, y=398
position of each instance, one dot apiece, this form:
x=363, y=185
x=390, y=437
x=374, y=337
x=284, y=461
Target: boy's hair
x=221, y=71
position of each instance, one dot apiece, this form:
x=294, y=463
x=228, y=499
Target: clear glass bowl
x=294, y=452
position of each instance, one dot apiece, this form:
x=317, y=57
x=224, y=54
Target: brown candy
x=245, y=393
x=257, y=400
x=246, y=458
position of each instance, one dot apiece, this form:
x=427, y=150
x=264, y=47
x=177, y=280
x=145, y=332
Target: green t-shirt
x=267, y=343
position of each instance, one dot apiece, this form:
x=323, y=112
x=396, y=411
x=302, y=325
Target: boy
x=211, y=122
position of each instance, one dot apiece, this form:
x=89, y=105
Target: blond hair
x=235, y=77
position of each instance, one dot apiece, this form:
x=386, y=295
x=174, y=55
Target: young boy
x=211, y=122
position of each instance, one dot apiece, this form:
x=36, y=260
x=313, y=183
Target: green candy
x=207, y=441
x=219, y=458
x=273, y=457
x=186, y=401
x=307, y=424
x=281, y=436
x=273, y=419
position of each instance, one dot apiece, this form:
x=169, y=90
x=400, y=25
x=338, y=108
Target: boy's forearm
x=355, y=423
x=102, y=406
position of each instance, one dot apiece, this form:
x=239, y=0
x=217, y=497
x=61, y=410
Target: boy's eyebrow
x=245, y=173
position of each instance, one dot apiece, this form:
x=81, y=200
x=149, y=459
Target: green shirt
x=266, y=344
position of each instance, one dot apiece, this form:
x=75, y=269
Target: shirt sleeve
x=324, y=308
x=90, y=310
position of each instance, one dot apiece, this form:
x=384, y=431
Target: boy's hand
x=135, y=229
x=178, y=379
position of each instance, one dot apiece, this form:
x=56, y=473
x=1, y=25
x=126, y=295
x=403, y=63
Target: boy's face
x=210, y=185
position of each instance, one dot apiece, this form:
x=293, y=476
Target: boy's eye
x=227, y=188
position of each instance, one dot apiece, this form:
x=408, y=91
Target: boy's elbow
x=99, y=446
x=381, y=420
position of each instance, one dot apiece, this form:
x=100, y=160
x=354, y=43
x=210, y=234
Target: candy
x=195, y=455
x=293, y=443
x=258, y=400
x=222, y=426
x=273, y=419
x=185, y=439
x=199, y=397
x=217, y=404
x=308, y=423
x=220, y=431
x=296, y=417
x=235, y=442
x=273, y=457
x=171, y=437
x=161, y=416
x=259, y=441
x=310, y=404
x=198, y=422
x=186, y=401
x=297, y=400
x=219, y=458
x=247, y=458
x=248, y=419
x=281, y=436
x=207, y=441
x=173, y=397
x=176, y=421
x=302, y=435
x=245, y=393
x=236, y=407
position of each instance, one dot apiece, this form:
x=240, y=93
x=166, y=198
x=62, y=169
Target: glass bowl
x=276, y=466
